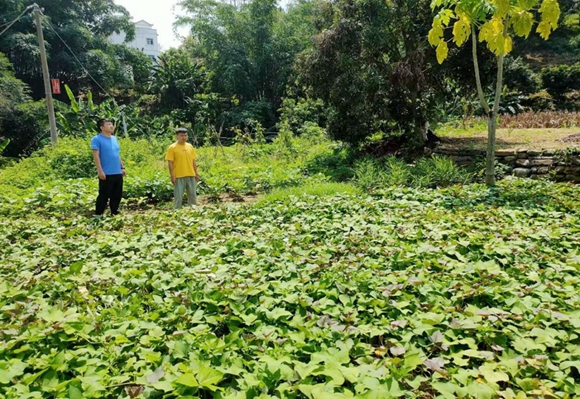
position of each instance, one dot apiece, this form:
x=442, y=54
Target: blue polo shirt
x=109, y=153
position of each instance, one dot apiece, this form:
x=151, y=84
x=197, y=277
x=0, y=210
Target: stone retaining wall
x=559, y=165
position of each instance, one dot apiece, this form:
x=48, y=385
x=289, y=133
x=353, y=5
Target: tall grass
x=372, y=174
x=524, y=120
x=541, y=120
x=438, y=171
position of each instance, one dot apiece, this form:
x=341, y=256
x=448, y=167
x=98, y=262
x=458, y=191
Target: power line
x=16, y=20
x=8, y=15
x=76, y=58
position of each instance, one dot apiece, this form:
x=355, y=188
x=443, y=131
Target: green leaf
x=181, y=350
x=488, y=371
x=76, y=267
x=3, y=144
x=319, y=391
x=482, y=391
x=10, y=370
x=71, y=97
x=208, y=377
x=372, y=388
x=164, y=386
x=412, y=360
x=187, y=379
x=333, y=372
x=446, y=389
x=305, y=370
x=522, y=23
x=278, y=313
x=461, y=30
x=568, y=364
x=446, y=15
x=75, y=390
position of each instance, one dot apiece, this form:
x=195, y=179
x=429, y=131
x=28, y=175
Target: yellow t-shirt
x=182, y=156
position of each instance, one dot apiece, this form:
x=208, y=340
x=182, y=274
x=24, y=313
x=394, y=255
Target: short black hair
x=181, y=130
x=101, y=122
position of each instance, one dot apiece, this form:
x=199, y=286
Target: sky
x=161, y=14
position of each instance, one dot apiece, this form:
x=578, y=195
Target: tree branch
x=484, y=103
x=499, y=82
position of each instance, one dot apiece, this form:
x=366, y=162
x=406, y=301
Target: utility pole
x=45, y=75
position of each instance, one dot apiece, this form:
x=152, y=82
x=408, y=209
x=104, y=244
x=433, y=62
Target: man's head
x=181, y=135
x=106, y=126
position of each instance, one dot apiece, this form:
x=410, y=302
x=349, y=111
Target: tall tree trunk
x=477, y=76
x=492, y=123
x=490, y=156
x=492, y=114
x=418, y=120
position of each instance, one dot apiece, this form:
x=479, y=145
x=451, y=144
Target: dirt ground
x=535, y=139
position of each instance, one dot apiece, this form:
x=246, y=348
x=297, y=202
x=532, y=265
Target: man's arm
x=195, y=169
x=173, y=180
x=97, y=160
x=170, y=157
x=123, y=172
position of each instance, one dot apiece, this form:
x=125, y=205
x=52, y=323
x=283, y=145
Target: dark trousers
x=110, y=191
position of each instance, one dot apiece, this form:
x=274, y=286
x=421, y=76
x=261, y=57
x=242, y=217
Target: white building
x=145, y=39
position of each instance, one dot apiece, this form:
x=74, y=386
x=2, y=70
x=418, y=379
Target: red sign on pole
x=55, y=86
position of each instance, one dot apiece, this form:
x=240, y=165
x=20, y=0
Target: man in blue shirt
x=107, y=157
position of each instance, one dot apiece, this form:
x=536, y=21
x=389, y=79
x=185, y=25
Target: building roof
x=143, y=24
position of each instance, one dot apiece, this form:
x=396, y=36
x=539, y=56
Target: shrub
x=501, y=170
x=561, y=79
x=520, y=77
x=68, y=160
x=372, y=174
x=150, y=186
x=72, y=158
x=313, y=133
x=571, y=101
x=26, y=125
x=397, y=173
x=438, y=172
x=540, y=101
x=299, y=112
x=56, y=197
x=369, y=174
x=337, y=163
x=284, y=143
x=260, y=111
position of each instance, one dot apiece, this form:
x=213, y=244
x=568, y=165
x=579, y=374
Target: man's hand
x=102, y=175
x=173, y=180
x=197, y=178
x=123, y=172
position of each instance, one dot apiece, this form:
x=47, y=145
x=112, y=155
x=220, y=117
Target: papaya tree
x=495, y=23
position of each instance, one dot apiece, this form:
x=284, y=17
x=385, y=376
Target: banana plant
x=3, y=144
x=79, y=118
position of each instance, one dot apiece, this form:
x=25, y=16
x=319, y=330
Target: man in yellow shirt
x=180, y=158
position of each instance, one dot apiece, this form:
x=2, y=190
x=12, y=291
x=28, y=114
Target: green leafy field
x=61, y=179
x=458, y=292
